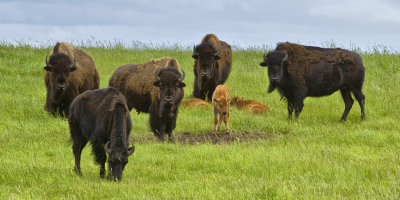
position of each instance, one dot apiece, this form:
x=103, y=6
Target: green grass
x=318, y=158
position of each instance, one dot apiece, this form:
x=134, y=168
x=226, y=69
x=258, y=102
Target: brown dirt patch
x=187, y=138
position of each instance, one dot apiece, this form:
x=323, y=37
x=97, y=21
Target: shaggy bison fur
x=299, y=71
x=156, y=88
x=212, y=65
x=69, y=72
x=102, y=117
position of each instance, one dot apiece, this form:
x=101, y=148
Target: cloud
x=356, y=10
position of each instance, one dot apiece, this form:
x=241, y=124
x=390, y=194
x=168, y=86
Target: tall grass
x=317, y=158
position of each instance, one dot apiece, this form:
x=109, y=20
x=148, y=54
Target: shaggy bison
x=221, y=100
x=69, y=72
x=300, y=71
x=212, y=65
x=156, y=88
x=102, y=117
x=249, y=105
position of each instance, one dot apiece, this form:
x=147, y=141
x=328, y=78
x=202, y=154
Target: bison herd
x=101, y=116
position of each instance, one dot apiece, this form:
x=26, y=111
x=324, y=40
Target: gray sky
x=361, y=23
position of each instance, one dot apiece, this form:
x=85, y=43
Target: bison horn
x=285, y=57
x=156, y=74
x=216, y=52
x=265, y=58
x=74, y=62
x=183, y=76
x=47, y=63
x=106, y=148
x=194, y=51
x=131, y=150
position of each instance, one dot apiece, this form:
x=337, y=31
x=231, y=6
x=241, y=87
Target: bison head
x=117, y=159
x=275, y=60
x=221, y=105
x=169, y=81
x=59, y=66
x=206, y=55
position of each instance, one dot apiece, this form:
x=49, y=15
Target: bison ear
x=195, y=56
x=157, y=83
x=131, y=150
x=271, y=88
x=181, y=84
x=263, y=64
x=47, y=68
x=215, y=100
x=71, y=69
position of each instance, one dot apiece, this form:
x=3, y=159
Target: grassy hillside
x=314, y=157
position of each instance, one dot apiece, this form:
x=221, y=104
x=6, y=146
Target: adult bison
x=156, y=88
x=102, y=117
x=69, y=72
x=212, y=65
x=301, y=71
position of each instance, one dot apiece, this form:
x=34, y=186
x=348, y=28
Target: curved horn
x=285, y=57
x=156, y=74
x=265, y=57
x=106, y=148
x=132, y=149
x=183, y=76
x=194, y=51
x=47, y=63
x=74, y=61
x=216, y=52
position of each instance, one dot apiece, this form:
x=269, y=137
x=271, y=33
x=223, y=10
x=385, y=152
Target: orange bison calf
x=249, y=105
x=221, y=100
x=194, y=103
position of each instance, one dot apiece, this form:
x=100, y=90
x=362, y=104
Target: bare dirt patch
x=187, y=138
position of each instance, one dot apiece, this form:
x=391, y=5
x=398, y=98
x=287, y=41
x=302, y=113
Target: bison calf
x=249, y=105
x=221, y=101
x=194, y=103
x=102, y=117
x=69, y=72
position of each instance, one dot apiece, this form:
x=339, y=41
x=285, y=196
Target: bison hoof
x=227, y=133
x=78, y=171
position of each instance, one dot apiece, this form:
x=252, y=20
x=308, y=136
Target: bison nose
x=61, y=86
x=205, y=75
x=224, y=113
x=168, y=99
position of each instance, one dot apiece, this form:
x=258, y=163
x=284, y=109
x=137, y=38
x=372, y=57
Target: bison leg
x=79, y=143
x=361, y=100
x=348, y=101
x=197, y=92
x=290, y=109
x=298, y=106
x=100, y=155
x=226, y=118
x=215, y=122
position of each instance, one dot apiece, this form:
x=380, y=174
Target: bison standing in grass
x=156, y=88
x=300, y=71
x=69, y=72
x=221, y=101
x=102, y=117
x=212, y=65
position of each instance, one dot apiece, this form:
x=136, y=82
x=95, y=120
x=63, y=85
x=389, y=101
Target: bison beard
x=300, y=71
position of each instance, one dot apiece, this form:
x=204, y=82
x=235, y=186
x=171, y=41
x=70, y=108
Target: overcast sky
x=362, y=23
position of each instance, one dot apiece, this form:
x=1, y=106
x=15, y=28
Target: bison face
x=169, y=81
x=117, y=160
x=206, y=56
x=59, y=67
x=235, y=101
x=275, y=61
x=222, y=105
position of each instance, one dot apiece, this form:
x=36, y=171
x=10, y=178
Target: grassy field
x=315, y=157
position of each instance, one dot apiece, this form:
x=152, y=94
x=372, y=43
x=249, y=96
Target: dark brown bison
x=212, y=65
x=69, y=72
x=156, y=88
x=102, y=117
x=301, y=71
